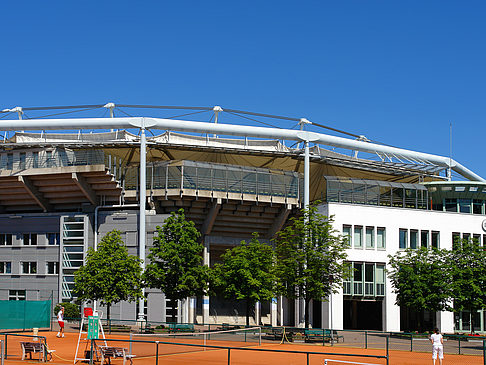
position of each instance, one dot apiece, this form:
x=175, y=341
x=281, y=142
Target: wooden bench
x=109, y=352
x=227, y=326
x=33, y=348
x=180, y=327
x=322, y=335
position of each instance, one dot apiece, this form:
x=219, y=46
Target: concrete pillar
x=274, y=312
x=296, y=312
x=192, y=310
x=391, y=312
x=206, y=297
x=445, y=322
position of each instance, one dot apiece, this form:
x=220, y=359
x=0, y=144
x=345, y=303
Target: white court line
x=348, y=362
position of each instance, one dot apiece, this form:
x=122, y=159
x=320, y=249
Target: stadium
x=67, y=181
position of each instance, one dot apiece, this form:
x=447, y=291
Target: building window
x=370, y=237
x=380, y=238
x=477, y=206
x=414, y=239
x=358, y=279
x=28, y=267
x=30, y=239
x=369, y=279
x=53, y=239
x=424, y=238
x=403, y=242
x=16, y=295
x=52, y=268
x=35, y=160
x=456, y=238
x=380, y=280
x=347, y=234
x=49, y=159
x=358, y=236
x=451, y=205
x=435, y=239
x=466, y=236
x=22, y=160
x=464, y=205
x=5, y=239
x=5, y=267
x=9, y=161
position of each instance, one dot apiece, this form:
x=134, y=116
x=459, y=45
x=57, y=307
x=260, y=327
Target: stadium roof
x=255, y=146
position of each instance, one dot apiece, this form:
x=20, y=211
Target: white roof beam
x=233, y=130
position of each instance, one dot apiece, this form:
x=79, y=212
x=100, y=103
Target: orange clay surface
x=65, y=349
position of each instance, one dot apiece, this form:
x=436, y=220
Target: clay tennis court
x=65, y=349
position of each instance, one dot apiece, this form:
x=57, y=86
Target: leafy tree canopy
x=310, y=258
x=246, y=273
x=176, y=261
x=110, y=274
x=421, y=279
x=468, y=268
x=71, y=310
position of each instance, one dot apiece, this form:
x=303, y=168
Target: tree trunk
x=306, y=312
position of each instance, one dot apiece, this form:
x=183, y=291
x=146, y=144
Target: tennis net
x=148, y=345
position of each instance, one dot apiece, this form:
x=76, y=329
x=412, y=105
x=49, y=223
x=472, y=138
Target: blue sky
x=398, y=72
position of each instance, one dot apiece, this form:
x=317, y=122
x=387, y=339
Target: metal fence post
x=229, y=356
x=1, y=352
x=387, y=349
x=91, y=354
x=157, y=353
x=411, y=342
x=307, y=358
x=459, y=345
x=484, y=352
x=366, y=339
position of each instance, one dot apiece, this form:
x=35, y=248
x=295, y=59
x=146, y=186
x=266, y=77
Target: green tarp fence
x=24, y=314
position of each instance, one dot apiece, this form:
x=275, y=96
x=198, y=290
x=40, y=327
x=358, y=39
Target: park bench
x=321, y=335
x=109, y=352
x=180, y=327
x=227, y=326
x=33, y=348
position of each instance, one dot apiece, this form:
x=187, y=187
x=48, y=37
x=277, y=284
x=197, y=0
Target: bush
x=71, y=310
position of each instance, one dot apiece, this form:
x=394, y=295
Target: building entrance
x=363, y=315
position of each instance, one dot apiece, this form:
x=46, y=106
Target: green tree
x=310, y=258
x=176, y=262
x=468, y=268
x=71, y=310
x=421, y=279
x=110, y=274
x=246, y=273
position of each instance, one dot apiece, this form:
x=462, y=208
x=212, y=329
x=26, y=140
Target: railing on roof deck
x=367, y=193
x=50, y=159
x=217, y=178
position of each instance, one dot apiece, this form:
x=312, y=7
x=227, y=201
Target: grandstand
x=65, y=182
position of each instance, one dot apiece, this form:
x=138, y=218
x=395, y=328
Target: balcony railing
x=217, y=177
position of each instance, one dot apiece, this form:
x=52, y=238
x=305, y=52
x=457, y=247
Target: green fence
x=24, y=314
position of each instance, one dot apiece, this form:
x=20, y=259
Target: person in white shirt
x=437, y=346
x=60, y=320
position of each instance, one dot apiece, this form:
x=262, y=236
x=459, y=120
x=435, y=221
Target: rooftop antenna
x=449, y=170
